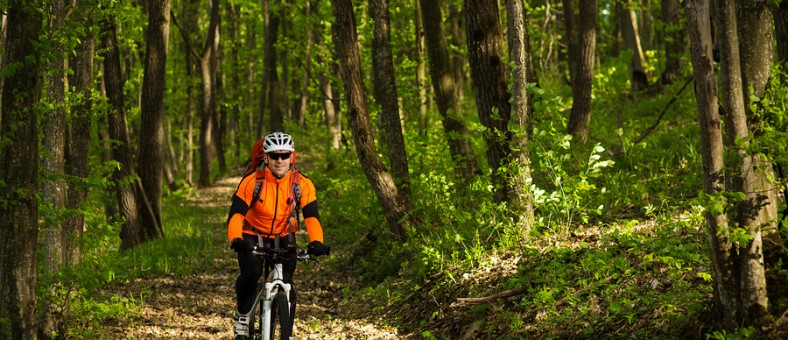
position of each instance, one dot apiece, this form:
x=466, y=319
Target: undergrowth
x=82, y=306
x=617, y=247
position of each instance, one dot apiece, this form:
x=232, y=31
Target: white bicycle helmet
x=278, y=141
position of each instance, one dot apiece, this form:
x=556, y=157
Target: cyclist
x=281, y=187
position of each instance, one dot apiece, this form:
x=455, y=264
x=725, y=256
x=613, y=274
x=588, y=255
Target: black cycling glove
x=241, y=246
x=317, y=248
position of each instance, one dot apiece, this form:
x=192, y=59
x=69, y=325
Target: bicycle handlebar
x=302, y=255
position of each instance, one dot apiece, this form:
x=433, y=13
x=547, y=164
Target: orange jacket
x=270, y=215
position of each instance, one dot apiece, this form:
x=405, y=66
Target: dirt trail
x=201, y=306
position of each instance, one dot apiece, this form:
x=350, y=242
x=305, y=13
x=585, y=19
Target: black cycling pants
x=252, y=268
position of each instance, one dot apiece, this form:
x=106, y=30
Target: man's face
x=279, y=162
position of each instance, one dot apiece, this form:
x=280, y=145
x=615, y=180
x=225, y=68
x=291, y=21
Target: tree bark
x=132, y=232
x=151, y=149
x=629, y=31
x=458, y=60
x=699, y=28
x=190, y=10
x=490, y=81
x=674, y=37
x=19, y=172
x=421, y=69
x=384, y=81
x=346, y=44
x=781, y=32
x=307, y=62
x=518, y=56
x=264, y=79
x=583, y=71
x=757, y=53
x=443, y=84
x=746, y=267
x=79, y=148
x=208, y=66
x=275, y=120
x=53, y=187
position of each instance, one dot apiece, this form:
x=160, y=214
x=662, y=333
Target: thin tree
x=275, y=117
x=385, y=91
x=756, y=38
x=443, y=84
x=674, y=40
x=490, y=85
x=744, y=287
x=346, y=44
x=582, y=75
x=151, y=145
x=205, y=58
x=79, y=143
x=307, y=62
x=190, y=11
x=522, y=110
x=19, y=171
x=781, y=32
x=53, y=187
x=132, y=232
x=421, y=69
x=628, y=26
x=264, y=79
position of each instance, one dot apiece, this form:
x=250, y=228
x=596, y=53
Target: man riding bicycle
x=265, y=206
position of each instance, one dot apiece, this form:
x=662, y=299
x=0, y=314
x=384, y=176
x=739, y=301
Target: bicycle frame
x=273, y=285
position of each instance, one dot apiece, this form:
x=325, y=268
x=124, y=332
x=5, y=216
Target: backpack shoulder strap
x=258, y=184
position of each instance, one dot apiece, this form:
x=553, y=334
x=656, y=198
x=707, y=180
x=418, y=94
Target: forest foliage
x=617, y=246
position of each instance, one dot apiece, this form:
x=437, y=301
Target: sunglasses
x=277, y=156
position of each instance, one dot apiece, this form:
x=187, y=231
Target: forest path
x=201, y=305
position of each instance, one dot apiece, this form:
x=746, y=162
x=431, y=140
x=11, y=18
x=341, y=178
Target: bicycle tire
x=280, y=315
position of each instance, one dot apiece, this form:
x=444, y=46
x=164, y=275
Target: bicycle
x=273, y=297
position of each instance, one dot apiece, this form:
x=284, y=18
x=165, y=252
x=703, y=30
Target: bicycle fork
x=273, y=285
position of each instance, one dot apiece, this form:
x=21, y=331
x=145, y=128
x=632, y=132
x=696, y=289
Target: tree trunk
x=333, y=119
x=346, y=44
x=674, y=37
x=629, y=31
x=132, y=232
x=3, y=35
x=79, y=150
x=490, y=81
x=757, y=53
x=699, y=28
x=151, y=150
x=219, y=109
x=570, y=35
x=781, y=32
x=384, y=81
x=583, y=71
x=190, y=10
x=307, y=62
x=53, y=187
x=421, y=69
x=331, y=105
x=522, y=199
x=264, y=79
x=443, y=84
x=747, y=267
x=19, y=172
x=208, y=76
x=275, y=120
x=458, y=59
x=233, y=12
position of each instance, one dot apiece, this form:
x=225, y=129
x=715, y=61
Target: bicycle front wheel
x=280, y=317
